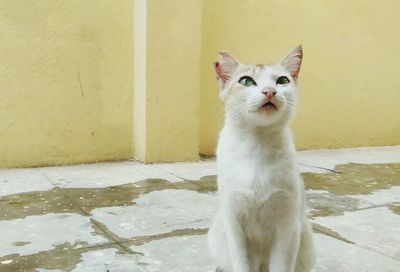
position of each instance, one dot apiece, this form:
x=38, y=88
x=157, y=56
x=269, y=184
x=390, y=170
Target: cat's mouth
x=269, y=106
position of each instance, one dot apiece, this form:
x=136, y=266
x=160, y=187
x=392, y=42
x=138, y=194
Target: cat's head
x=259, y=95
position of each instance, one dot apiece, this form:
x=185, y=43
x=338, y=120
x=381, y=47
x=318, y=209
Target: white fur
x=261, y=224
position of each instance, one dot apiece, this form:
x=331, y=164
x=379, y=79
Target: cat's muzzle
x=269, y=106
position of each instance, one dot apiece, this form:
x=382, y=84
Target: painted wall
x=66, y=75
x=349, y=83
x=65, y=81
x=167, y=82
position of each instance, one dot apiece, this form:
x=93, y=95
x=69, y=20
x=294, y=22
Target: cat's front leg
x=236, y=240
x=285, y=247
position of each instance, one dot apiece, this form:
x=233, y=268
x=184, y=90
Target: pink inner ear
x=293, y=61
x=296, y=69
x=220, y=72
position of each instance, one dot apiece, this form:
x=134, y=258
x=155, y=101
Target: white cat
x=262, y=223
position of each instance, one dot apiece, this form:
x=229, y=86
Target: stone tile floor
x=126, y=216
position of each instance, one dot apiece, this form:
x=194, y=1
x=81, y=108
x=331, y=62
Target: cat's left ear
x=292, y=62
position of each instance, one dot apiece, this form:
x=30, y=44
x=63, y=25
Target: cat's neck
x=277, y=138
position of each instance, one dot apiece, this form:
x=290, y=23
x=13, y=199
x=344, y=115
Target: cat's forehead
x=261, y=70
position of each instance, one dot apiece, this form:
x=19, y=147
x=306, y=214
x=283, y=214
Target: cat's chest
x=259, y=189
x=255, y=177
x=253, y=167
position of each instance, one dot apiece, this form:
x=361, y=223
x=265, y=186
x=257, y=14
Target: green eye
x=282, y=80
x=247, y=81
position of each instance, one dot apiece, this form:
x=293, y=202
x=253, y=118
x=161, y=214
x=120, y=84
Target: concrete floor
x=125, y=216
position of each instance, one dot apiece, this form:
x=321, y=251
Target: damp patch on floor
x=132, y=226
x=355, y=179
x=84, y=200
x=160, y=212
x=353, y=187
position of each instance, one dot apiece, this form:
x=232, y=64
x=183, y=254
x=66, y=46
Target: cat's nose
x=269, y=93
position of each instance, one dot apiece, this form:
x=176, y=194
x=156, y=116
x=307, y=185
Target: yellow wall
x=67, y=74
x=65, y=81
x=349, y=83
x=167, y=92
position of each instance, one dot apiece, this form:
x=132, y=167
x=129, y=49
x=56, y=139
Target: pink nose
x=269, y=93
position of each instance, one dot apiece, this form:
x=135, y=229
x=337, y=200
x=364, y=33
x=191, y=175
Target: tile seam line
x=47, y=177
x=108, y=234
x=183, y=180
x=169, y=172
x=378, y=252
x=112, y=236
x=377, y=206
x=140, y=240
x=83, y=249
x=350, y=242
x=321, y=167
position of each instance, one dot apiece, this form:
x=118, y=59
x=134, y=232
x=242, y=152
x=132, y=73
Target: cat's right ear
x=225, y=67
